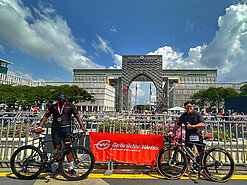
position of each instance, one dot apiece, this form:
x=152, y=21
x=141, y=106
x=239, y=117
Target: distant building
x=181, y=92
x=106, y=84
x=103, y=93
x=174, y=82
x=13, y=80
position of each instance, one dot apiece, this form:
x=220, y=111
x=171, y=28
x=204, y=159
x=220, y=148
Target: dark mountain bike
x=27, y=162
x=215, y=162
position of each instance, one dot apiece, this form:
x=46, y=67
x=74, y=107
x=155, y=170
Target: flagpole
x=136, y=98
x=150, y=93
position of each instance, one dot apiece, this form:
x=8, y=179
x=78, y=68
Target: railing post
x=110, y=169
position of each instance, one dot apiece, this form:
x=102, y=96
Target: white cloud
x=26, y=76
x=104, y=45
x=118, y=61
x=170, y=58
x=190, y=25
x=2, y=49
x=113, y=29
x=44, y=34
x=228, y=50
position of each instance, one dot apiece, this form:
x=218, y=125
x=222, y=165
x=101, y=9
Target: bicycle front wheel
x=171, y=162
x=83, y=163
x=219, y=165
x=26, y=162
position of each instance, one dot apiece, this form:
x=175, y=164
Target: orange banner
x=129, y=148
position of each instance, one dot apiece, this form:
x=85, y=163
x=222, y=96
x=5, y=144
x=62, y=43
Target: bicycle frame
x=42, y=141
x=188, y=154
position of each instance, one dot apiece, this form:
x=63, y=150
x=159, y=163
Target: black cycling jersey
x=61, y=114
x=193, y=118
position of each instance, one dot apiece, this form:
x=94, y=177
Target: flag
x=124, y=90
x=150, y=90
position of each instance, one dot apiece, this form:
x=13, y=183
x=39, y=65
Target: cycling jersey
x=192, y=135
x=193, y=118
x=61, y=114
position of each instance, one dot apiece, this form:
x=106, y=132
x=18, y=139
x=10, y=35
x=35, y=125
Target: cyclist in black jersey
x=61, y=126
x=194, y=123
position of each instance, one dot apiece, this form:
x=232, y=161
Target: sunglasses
x=189, y=106
x=62, y=96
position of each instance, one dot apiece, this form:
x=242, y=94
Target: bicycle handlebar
x=72, y=136
x=173, y=139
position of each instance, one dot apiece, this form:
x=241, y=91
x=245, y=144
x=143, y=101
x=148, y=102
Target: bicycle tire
x=86, y=160
x=222, y=167
x=26, y=161
x=165, y=166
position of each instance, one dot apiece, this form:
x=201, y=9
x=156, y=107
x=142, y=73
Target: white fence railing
x=227, y=132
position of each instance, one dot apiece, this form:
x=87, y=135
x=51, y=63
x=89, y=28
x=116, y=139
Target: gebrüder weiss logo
x=103, y=144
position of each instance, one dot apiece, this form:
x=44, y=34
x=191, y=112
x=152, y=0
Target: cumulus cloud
x=104, y=45
x=228, y=50
x=43, y=33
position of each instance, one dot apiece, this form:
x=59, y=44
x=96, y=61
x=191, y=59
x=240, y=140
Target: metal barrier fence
x=226, y=132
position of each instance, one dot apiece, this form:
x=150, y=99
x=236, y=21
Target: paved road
x=99, y=179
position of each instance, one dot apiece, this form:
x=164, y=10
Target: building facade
x=103, y=93
x=170, y=79
x=5, y=78
x=181, y=92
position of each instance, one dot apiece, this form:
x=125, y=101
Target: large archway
x=142, y=65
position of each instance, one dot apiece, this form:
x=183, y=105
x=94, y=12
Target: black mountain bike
x=216, y=162
x=27, y=162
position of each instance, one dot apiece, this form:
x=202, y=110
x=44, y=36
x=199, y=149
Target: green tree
x=27, y=97
x=243, y=90
x=213, y=96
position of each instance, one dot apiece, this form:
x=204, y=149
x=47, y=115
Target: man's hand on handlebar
x=84, y=129
x=169, y=134
x=39, y=130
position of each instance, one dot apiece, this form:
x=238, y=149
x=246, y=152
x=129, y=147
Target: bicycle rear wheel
x=83, y=163
x=26, y=162
x=171, y=164
x=219, y=165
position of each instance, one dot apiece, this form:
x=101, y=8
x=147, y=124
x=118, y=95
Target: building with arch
x=175, y=86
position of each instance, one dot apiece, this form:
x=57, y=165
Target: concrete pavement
x=123, y=174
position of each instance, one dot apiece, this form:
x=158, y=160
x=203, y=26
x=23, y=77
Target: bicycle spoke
x=218, y=164
x=170, y=163
x=83, y=162
x=26, y=162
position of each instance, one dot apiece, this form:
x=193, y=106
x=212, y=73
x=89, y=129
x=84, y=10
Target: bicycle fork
x=74, y=155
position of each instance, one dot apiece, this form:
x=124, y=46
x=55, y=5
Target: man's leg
x=57, y=146
x=187, y=171
x=199, y=156
x=66, y=132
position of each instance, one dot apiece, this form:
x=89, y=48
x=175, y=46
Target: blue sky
x=47, y=39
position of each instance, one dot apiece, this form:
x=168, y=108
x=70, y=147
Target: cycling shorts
x=190, y=145
x=60, y=134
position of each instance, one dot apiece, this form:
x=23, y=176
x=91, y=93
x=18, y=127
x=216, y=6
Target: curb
x=127, y=176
